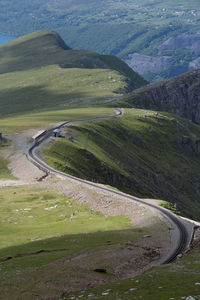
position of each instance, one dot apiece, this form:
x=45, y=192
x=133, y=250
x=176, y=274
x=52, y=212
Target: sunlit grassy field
x=38, y=227
x=52, y=86
x=50, y=117
x=29, y=214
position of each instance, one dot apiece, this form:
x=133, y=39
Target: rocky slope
x=171, y=57
x=144, y=64
x=195, y=64
x=186, y=41
x=179, y=95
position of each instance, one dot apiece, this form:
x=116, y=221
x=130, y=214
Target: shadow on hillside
x=30, y=99
x=56, y=265
x=70, y=243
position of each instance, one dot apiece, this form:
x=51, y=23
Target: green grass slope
x=39, y=71
x=41, y=229
x=4, y=171
x=59, y=88
x=35, y=213
x=48, y=118
x=143, y=153
x=175, y=281
x=47, y=48
x=43, y=119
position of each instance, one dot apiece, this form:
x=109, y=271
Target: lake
x=6, y=38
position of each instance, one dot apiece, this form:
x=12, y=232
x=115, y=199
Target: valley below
x=121, y=192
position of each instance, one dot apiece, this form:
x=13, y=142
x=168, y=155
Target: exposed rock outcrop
x=185, y=41
x=144, y=64
x=194, y=64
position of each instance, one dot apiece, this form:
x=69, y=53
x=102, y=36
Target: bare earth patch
x=20, y=166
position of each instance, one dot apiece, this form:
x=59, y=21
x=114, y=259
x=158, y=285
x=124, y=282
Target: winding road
x=183, y=235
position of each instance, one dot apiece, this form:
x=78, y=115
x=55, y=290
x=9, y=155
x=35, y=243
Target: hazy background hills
x=167, y=33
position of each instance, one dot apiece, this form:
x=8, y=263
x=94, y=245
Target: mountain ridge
x=36, y=35
x=47, y=48
x=114, y=27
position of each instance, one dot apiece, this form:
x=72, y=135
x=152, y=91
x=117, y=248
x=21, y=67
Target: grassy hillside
x=47, y=48
x=175, y=281
x=36, y=214
x=42, y=231
x=48, y=118
x=178, y=95
x=54, y=87
x=143, y=153
x=39, y=71
x=43, y=119
x=4, y=171
x=31, y=51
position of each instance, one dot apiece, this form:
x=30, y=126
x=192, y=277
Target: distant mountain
x=185, y=41
x=115, y=27
x=179, y=95
x=39, y=71
x=47, y=48
x=145, y=64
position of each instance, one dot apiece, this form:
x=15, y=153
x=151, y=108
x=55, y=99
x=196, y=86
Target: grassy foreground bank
x=48, y=118
x=175, y=281
x=41, y=229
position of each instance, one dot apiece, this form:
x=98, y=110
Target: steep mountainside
x=47, y=48
x=144, y=64
x=179, y=95
x=172, y=57
x=143, y=153
x=186, y=41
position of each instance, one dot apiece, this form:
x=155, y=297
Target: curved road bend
x=183, y=239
